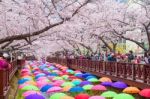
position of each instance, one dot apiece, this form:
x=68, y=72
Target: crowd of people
x=118, y=57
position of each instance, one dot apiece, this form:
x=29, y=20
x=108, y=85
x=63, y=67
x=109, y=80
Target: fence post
x=133, y=72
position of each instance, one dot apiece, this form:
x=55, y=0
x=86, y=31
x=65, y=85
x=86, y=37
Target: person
x=130, y=56
x=3, y=63
x=146, y=58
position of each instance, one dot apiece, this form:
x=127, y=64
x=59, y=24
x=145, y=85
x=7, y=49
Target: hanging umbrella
x=93, y=80
x=108, y=84
x=68, y=84
x=97, y=97
x=87, y=87
x=66, y=97
x=76, y=82
x=85, y=83
x=21, y=81
x=105, y=79
x=54, y=89
x=42, y=78
x=119, y=85
x=57, y=78
x=123, y=96
x=86, y=75
x=145, y=93
x=76, y=89
x=45, y=88
x=35, y=96
x=109, y=94
x=57, y=95
x=27, y=93
x=82, y=96
x=89, y=77
x=131, y=90
x=29, y=87
x=99, y=87
x=38, y=76
x=23, y=85
x=31, y=83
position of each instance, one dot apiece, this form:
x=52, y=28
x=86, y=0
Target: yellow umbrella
x=105, y=79
x=31, y=83
x=131, y=90
x=66, y=88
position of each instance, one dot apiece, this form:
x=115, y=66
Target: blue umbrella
x=89, y=77
x=38, y=76
x=86, y=75
x=76, y=89
x=79, y=75
x=21, y=81
x=46, y=87
x=41, y=74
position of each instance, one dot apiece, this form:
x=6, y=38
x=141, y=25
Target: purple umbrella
x=106, y=83
x=119, y=85
x=85, y=83
x=35, y=96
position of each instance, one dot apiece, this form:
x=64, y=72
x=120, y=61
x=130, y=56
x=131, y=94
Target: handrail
x=130, y=72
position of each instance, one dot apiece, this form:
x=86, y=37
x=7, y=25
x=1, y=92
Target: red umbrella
x=82, y=96
x=145, y=93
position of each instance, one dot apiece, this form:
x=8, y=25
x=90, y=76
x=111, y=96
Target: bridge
x=133, y=74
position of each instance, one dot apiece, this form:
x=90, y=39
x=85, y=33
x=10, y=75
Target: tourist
x=130, y=56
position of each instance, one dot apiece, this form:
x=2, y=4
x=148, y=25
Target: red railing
x=138, y=74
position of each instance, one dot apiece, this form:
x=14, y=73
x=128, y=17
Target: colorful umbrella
x=23, y=80
x=105, y=79
x=30, y=87
x=131, y=90
x=68, y=84
x=76, y=89
x=123, y=96
x=54, y=89
x=93, y=80
x=76, y=82
x=96, y=97
x=87, y=87
x=57, y=95
x=145, y=93
x=119, y=85
x=66, y=97
x=99, y=87
x=109, y=94
x=67, y=88
x=106, y=83
x=85, y=83
x=45, y=88
x=35, y=96
x=89, y=77
x=82, y=96
x=27, y=93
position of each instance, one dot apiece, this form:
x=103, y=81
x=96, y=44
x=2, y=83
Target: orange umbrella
x=31, y=83
x=66, y=97
x=66, y=88
x=105, y=79
x=131, y=90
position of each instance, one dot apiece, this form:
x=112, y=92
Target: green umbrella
x=123, y=96
x=109, y=94
x=93, y=80
x=87, y=87
x=65, y=77
x=57, y=96
x=68, y=84
x=58, y=78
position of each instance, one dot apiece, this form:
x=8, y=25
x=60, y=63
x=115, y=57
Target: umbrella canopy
x=89, y=77
x=35, y=96
x=145, y=93
x=119, y=85
x=66, y=97
x=68, y=84
x=123, y=96
x=109, y=94
x=82, y=96
x=105, y=79
x=67, y=88
x=58, y=82
x=76, y=82
x=57, y=78
x=87, y=87
x=30, y=87
x=97, y=97
x=85, y=83
x=131, y=90
x=27, y=93
x=99, y=87
x=76, y=89
x=57, y=95
x=93, y=80
x=45, y=88
x=23, y=80
x=31, y=83
x=54, y=89
x=106, y=83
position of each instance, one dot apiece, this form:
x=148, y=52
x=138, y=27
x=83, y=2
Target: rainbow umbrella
x=57, y=95
x=145, y=93
x=123, y=96
x=97, y=97
x=35, y=96
x=109, y=94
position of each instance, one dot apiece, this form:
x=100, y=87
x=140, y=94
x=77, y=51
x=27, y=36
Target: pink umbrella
x=25, y=70
x=42, y=78
x=54, y=89
x=96, y=97
x=99, y=87
x=41, y=83
x=27, y=93
x=58, y=83
x=23, y=85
